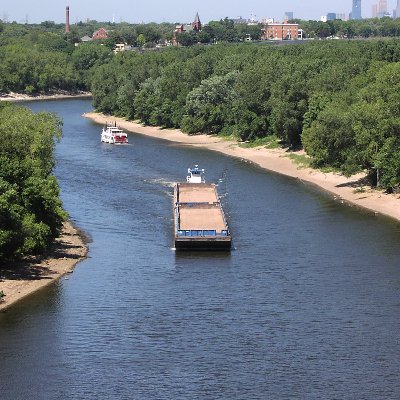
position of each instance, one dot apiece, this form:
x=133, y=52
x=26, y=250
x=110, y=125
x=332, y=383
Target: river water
x=306, y=306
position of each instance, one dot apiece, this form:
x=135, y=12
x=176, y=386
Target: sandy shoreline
x=17, y=97
x=351, y=190
x=24, y=278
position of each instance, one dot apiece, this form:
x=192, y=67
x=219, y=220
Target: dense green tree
x=104, y=88
x=289, y=102
x=31, y=213
x=359, y=129
x=88, y=55
x=148, y=101
x=329, y=139
x=140, y=40
x=387, y=163
x=31, y=70
x=209, y=106
x=187, y=38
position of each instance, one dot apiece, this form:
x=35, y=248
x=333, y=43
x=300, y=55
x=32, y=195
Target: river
x=306, y=306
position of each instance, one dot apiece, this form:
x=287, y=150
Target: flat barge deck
x=199, y=218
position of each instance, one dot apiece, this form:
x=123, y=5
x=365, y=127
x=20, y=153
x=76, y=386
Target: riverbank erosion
x=21, y=279
x=352, y=189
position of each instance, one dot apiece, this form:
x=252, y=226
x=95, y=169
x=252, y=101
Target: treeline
x=362, y=28
x=339, y=99
x=33, y=61
x=41, y=58
x=223, y=31
x=147, y=35
x=31, y=213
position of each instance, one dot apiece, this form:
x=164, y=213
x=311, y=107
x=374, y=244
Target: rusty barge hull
x=199, y=218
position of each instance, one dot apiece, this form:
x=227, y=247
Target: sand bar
x=17, y=97
x=350, y=190
x=19, y=280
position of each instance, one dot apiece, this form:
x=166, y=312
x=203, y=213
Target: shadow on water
x=44, y=302
x=202, y=255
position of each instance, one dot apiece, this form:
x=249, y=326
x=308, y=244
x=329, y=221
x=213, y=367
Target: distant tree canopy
x=37, y=58
x=363, y=28
x=31, y=213
x=224, y=30
x=30, y=70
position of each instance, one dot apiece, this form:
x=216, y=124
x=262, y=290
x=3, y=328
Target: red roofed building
x=195, y=26
x=100, y=34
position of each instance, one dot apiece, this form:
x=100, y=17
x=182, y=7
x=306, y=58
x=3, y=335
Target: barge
x=199, y=218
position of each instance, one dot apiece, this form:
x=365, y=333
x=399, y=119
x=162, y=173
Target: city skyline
x=175, y=10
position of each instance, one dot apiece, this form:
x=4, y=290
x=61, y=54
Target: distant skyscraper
x=356, y=10
x=330, y=16
x=374, y=10
x=398, y=9
x=288, y=15
x=382, y=8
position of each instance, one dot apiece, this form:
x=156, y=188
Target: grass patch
x=302, y=160
x=359, y=190
x=227, y=136
x=269, y=142
x=326, y=169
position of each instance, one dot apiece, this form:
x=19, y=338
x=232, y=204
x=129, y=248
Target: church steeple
x=196, y=24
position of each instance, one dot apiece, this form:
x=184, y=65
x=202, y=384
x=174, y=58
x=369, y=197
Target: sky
x=173, y=10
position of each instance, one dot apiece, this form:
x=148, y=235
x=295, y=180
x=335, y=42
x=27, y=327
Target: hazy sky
x=173, y=10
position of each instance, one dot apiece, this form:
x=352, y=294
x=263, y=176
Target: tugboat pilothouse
x=112, y=134
x=196, y=175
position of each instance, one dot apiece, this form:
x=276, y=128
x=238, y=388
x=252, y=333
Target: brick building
x=195, y=26
x=100, y=34
x=283, y=31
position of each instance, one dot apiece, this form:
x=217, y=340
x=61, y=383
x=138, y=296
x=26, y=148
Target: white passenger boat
x=111, y=133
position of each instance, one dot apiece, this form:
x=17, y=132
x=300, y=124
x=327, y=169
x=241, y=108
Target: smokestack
x=67, y=19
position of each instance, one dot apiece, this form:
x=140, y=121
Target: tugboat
x=196, y=175
x=112, y=134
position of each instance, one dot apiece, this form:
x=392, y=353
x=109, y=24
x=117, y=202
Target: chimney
x=67, y=19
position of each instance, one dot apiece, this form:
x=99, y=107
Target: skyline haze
x=173, y=11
